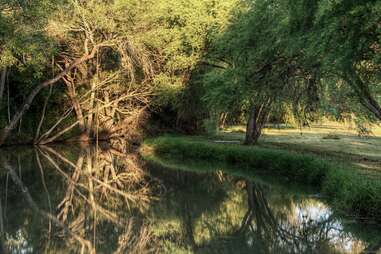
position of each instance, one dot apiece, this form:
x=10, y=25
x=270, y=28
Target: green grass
x=331, y=139
x=342, y=184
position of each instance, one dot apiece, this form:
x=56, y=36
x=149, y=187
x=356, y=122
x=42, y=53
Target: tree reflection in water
x=102, y=195
x=94, y=200
x=251, y=218
x=308, y=227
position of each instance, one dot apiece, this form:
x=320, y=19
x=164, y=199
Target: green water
x=103, y=200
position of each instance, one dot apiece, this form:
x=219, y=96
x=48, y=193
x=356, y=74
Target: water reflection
x=92, y=199
x=104, y=200
x=307, y=226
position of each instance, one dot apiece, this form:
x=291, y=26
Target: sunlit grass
x=331, y=139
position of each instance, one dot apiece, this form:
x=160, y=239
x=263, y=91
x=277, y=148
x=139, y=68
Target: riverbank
x=346, y=187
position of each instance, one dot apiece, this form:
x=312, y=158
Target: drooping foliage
x=297, y=57
x=104, y=64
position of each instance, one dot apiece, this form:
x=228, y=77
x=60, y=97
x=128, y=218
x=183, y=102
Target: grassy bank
x=345, y=187
x=331, y=139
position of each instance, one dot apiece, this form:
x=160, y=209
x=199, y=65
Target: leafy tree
x=276, y=54
x=257, y=72
x=344, y=40
x=111, y=61
x=105, y=51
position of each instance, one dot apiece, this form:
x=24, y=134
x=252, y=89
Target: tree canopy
x=108, y=64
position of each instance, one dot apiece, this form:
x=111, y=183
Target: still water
x=93, y=200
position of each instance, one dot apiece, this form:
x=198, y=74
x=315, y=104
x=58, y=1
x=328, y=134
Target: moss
x=345, y=187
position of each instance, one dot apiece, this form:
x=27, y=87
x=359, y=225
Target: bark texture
x=257, y=119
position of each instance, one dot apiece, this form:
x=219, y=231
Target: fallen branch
x=27, y=103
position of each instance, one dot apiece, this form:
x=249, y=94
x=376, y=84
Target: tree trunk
x=8, y=103
x=364, y=94
x=222, y=120
x=257, y=119
x=372, y=105
x=3, y=245
x=2, y=84
x=91, y=106
x=76, y=105
x=252, y=127
x=37, y=136
x=27, y=103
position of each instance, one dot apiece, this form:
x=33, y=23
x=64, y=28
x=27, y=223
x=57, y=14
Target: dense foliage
x=105, y=65
x=305, y=59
